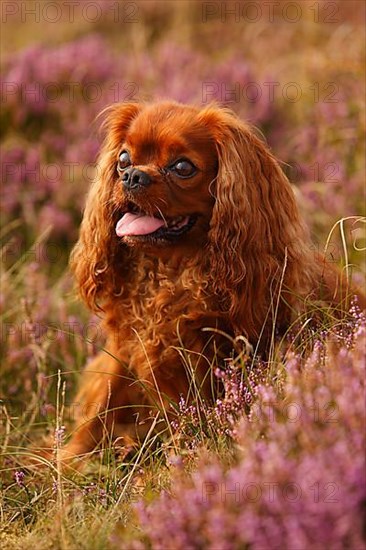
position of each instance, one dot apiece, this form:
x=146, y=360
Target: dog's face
x=165, y=167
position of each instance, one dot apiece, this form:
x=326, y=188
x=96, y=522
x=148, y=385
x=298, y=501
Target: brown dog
x=190, y=225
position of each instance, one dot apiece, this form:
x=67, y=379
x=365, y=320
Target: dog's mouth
x=136, y=224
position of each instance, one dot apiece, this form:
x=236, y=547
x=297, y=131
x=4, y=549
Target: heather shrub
x=298, y=479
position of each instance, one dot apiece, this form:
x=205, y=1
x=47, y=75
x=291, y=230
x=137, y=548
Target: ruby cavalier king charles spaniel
x=191, y=237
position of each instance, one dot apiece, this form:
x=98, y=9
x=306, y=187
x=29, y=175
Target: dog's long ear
x=94, y=258
x=257, y=240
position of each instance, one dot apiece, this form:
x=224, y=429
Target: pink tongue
x=137, y=224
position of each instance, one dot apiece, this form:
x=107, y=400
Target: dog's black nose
x=133, y=178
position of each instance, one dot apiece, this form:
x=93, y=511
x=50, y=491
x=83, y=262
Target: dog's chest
x=161, y=311
x=160, y=304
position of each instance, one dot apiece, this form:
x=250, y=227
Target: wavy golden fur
x=232, y=255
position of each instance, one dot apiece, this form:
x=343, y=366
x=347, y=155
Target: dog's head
x=165, y=167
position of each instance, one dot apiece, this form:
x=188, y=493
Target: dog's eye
x=123, y=161
x=183, y=168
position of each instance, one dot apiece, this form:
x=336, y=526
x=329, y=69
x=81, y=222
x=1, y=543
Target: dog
x=191, y=236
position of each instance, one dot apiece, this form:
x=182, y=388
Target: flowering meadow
x=278, y=460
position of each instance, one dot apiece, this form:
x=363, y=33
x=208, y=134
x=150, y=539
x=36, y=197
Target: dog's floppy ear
x=257, y=240
x=94, y=258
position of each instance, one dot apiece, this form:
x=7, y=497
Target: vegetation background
x=278, y=461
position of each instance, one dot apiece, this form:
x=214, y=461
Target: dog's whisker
x=164, y=201
x=162, y=215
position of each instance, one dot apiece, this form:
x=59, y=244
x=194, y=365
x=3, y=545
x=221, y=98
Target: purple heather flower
x=19, y=477
x=59, y=435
